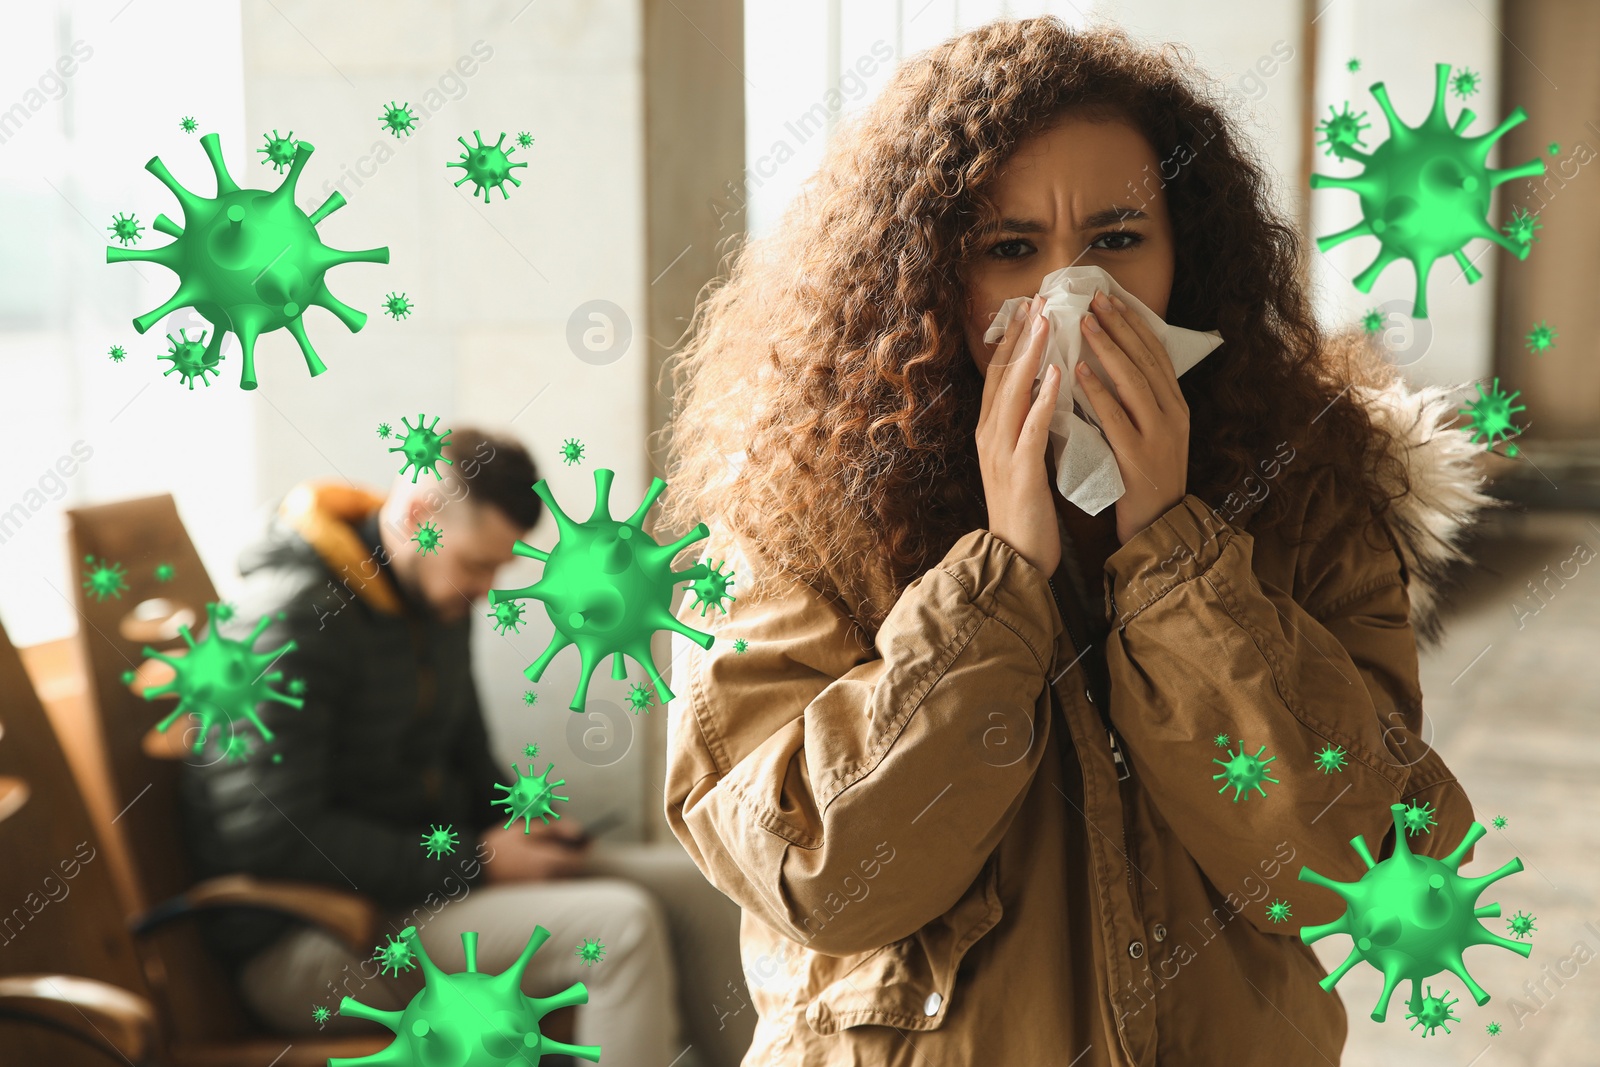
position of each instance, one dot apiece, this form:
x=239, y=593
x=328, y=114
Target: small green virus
x=225, y=611
x=278, y=150
x=712, y=589
x=1541, y=338
x=525, y=139
x=1433, y=1013
x=423, y=449
x=398, y=119
x=1372, y=321
x=571, y=451
x=1418, y=818
x=296, y=687
x=104, y=579
x=1353, y=65
x=1520, y=925
x=1555, y=148
x=1244, y=772
x=125, y=228
x=1493, y=1029
x=396, y=306
x=607, y=587
x=530, y=750
x=320, y=1014
x=385, y=430
x=222, y=680
x=277, y=757
x=1499, y=822
x=1331, y=759
x=1221, y=741
x=529, y=798
x=164, y=572
x=1278, y=911
x=188, y=124
x=1521, y=226
x=128, y=677
x=639, y=698
x=117, y=353
x=439, y=840
x=395, y=955
x=470, y=1018
x=1464, y=82
x=487, y=166
x=529, y=697
x=1341, y=131
x=591, y=951
x=236, y=748
x=191, y=359
x=740, y=644
x=507, y=615
x=1491, y=414
x=427, y=538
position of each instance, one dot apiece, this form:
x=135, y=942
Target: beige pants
x=632, y=1008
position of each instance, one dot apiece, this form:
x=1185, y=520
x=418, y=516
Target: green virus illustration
x=164, y=572
x=711, y=590
x=1491, y=416
x=1425, y=192
x=529, y=697
x=1331, y=759
x=1412, y=916
x=320, y=1014
x=439, y=840
x=1521, y=226
x=507, y=615
x=191, y=359
x=639, y=699
x=1464, y=82
x=278, y=150
x=1353, y=65
x=1221, y=741
x=1278, y=911
x=117, y=353
x=529, y=798
x=128, y=677
x=530, y=750
x=1418, y=818
x=225, y=611
x=398, y=119
x=591, y=951
x=296, y=686
x=1341, y=131
x=1433, y=1013
x=236, y=748
x=427, y=538
x=385, y=430
x=571, y=451
x=1372, y=321
x=740, y=644
x=607, y=587
x=104, y=579
x=1499, y=822
x=1521, y=925
x=488, y=167
x=525, y=139
x=221, y=681
x=422, y=447
x=1541, y=338
x=1244, y=772
x=396, y=306
x=125, y=228
x=1555, y=148
x=396, y=956
x=188, y=124
x=1493, y=1029
x=248, y=261
x=470, y=1019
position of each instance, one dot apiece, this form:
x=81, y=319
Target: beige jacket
x=992, y=834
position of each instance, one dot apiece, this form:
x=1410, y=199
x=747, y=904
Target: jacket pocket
x=909, y=983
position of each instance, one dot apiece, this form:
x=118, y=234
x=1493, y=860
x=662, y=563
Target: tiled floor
x=1514, y=701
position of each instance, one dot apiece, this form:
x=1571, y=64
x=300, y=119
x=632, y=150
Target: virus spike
x=213, y=149
x=1380, y=1010
x=314, y=362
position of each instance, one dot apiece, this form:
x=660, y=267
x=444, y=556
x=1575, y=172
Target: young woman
x=956, y=749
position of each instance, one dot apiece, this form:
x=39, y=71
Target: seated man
x=391, y=743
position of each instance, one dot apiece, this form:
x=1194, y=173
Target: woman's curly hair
x=828, y=403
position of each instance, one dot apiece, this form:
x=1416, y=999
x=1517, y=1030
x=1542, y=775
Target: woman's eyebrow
x=1104, y=217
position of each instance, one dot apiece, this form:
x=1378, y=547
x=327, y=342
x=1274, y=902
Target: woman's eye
x=1127, y=239
x=1015, y=241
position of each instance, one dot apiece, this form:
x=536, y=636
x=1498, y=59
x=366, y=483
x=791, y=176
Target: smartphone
x=593, y=830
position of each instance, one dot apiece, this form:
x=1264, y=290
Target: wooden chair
x=203, y=1020
x=69, y=979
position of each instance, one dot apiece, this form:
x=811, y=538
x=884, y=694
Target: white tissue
x=1086, y=468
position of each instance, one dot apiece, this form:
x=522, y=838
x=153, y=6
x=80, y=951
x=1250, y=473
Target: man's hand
x=545, y=852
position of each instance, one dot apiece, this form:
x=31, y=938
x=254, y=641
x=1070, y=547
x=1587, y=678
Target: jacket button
x=1136, y=949
x=1160, y=932
x=1088, y=696
x=931, y=1006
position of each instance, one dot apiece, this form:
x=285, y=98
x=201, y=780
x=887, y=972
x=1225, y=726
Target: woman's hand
x=538, y=855
x=1012, y=434
x=1149, y=431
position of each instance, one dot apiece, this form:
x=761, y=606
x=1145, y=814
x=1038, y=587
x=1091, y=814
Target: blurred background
x=661, y=132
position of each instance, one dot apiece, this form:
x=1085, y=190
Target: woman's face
x=1079, y=194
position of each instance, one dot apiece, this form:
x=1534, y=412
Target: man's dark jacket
x=390, y=740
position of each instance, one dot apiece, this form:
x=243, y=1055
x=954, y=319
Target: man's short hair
x=489, y=469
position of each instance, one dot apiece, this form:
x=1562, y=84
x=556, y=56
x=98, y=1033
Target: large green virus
x=278, y=150
x=422, y=447
x=711, y=590
x=488, y=167
x=125, y=228
x=507, y=615
x=1412, y=916
x=1244, y=772
x=1491, y=415
x=104, y=579
x=470, y=1019
x=439, y=840
x=607, y=587
x=1425, y=191
x=191, y=359
x=221, y=680
x=249, y=261
x=529, y=798
x=1434, y=1012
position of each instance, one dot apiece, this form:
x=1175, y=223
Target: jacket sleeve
x=1203, y=647
x=814, y=757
